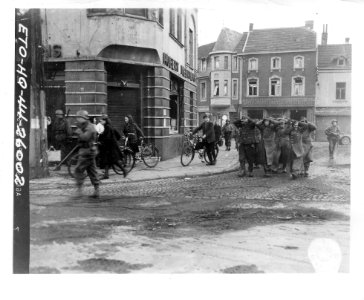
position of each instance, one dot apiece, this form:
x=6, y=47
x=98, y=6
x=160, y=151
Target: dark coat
x=132, y=132
x=208, y=130
x=218, y=132
x=109, y=148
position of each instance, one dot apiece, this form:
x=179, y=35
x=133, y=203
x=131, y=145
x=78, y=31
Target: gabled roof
x=329, y=54
x=280, y=39
x=228, y=40
x=204, y=50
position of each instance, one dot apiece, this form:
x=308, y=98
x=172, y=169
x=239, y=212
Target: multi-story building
x=278, y=72
x=124, y=61
x=265, y=72
x=333, y=90
x=218, y=76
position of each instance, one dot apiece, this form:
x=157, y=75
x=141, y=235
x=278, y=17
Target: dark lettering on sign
x=173, y=65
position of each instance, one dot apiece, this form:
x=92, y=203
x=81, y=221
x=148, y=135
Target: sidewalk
x=227, y=161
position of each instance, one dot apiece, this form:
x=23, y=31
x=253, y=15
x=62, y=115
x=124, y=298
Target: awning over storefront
x=128, y=53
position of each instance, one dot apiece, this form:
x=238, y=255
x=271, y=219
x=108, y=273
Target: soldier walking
x=333, y=136
x=87, y=137
x=248, y=140
x=61, y=132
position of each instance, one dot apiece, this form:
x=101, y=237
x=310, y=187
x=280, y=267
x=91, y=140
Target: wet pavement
x=208, y=224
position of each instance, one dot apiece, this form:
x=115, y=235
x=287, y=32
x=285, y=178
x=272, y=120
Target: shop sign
x=173, y=65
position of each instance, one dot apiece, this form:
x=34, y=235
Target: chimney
x=324, y=35
x=251, y=26
x=347, y=40
x=309, y=24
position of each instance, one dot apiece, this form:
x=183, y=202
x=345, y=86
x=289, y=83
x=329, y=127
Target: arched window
x=275, y=63
x=253, y=64
x=275, y=84
x=253, y=86
x=298, y=62
x=298, y=86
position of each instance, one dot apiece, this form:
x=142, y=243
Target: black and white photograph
x=187, y=138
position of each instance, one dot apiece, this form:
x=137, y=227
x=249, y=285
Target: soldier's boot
x=267, y=171
x=305, y=174
x=96, y=193
x=242, y=171
x=106, y=175
x=78, y=193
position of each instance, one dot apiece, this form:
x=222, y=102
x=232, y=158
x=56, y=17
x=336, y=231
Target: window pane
x=235, y=89
x=225, y=88
x=216, y=88
x=160, y=16
x=225, y=62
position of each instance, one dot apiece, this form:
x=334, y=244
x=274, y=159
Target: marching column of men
x=274, y=144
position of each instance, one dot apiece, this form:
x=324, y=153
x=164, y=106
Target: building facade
x=124, y=61
x=218, y=76
x=278, y=73
x=333, y=90
x=260, y=73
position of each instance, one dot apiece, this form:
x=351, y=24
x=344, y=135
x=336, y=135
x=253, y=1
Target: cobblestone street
x=217, y=223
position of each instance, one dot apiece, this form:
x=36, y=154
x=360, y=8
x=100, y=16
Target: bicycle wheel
x=150, y=156
x=119, y=168
x=187, y=155
x=128, y=161
x=216, y=150
x=71, y=166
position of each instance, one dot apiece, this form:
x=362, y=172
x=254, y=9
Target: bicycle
x=189, y=149
x=149, y=154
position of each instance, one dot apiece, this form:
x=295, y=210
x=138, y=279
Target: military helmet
x=334, y=120
x=59, y=112
x=82, y=114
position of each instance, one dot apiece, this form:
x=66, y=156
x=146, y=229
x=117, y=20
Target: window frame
x=203, y=91
x=272, y=59
x=293, y=86
x=280, y=86
x=341, y=58
x=217, y=60
x=226, y=87
x=295, y=67
x=203, y=64
x=256, y=62
x=172, y=21
x=248, y=87
x=340, y=91
x=236, y=95
x=235, y=63
x=218, y=88
x=226, y=62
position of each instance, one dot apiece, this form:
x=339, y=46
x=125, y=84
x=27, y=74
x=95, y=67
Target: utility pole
x=38, y=163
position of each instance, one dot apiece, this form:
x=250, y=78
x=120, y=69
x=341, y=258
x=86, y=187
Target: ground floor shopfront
x=287, y=112
x=161, y=101
x=325, y=115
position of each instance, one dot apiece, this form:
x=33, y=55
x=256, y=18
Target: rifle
x=58, y=167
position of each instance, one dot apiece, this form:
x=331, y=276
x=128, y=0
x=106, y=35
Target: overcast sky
x=341, y=17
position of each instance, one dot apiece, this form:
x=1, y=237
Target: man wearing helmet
x=333, y=136
x=61, y=131
x=87, y=137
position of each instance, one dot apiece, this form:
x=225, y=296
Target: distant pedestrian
x=333, y=136
x=227, y=131
x=87, y=137
x=133, y=133
x=110, y=153
x=208, y=138
x=61, y=133
x=248, y=140
x=218, y=133
x=307, y=145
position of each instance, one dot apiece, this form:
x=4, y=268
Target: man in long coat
x=268, y=128
x=227, y=131
x=307, y=145
x=208, y=136
x=283, y=146
x=248, y=140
